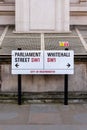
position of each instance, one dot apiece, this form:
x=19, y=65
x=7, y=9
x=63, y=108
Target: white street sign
x=24, y=61
x=61, y=61
x=42, y=62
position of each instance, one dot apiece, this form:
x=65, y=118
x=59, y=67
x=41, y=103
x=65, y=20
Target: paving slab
x=43, y=114
x=43, y=127
x=13, y=114
x=44, y=108
x=45, y=118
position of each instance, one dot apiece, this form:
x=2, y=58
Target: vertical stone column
x=62, y=15
x=22, y=16
x=58, y=15
x=66, y=15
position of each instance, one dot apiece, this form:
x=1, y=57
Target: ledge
x=43, y=97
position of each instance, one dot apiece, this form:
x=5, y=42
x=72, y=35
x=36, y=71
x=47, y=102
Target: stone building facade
x=38, y=15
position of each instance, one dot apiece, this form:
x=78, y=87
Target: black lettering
x=15, y=59
x=28, y=54
x=51, y=54
x=22, y=59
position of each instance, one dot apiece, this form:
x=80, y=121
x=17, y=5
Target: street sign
x=24, y=61
x=62, y=62
x=42, y=62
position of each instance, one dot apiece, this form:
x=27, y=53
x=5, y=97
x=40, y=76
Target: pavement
x=43, y=117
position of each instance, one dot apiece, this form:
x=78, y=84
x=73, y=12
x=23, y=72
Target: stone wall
x=38, y=83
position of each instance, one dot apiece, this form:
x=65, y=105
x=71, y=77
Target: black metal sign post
x=66, y=87
x=19, y=87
